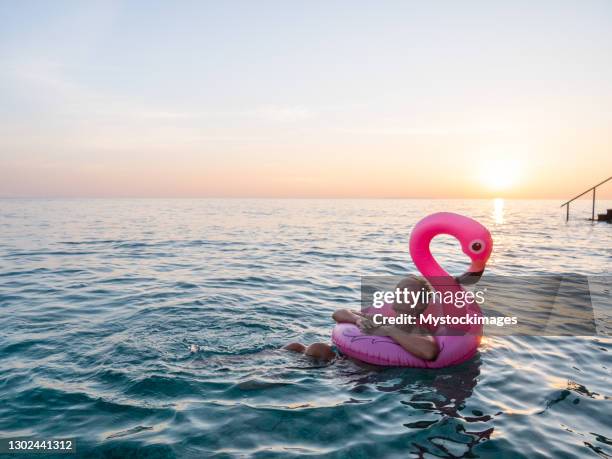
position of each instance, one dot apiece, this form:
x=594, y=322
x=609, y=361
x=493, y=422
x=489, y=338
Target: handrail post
x=567, y=212
x=593, y=211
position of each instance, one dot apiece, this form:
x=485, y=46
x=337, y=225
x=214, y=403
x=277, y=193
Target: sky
x=441, y=99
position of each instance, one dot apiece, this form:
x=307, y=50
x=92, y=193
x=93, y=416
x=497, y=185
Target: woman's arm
x=422, y=346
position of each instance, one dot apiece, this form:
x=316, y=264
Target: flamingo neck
x=438, y=278
x=428, y=266
x=420, y=241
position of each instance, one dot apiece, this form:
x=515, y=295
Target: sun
x=500, y=174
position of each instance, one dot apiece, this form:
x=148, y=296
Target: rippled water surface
x=152, y=328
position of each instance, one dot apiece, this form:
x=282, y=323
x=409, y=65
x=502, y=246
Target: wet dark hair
x=421, y=282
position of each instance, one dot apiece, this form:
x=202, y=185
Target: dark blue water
x=152, y=328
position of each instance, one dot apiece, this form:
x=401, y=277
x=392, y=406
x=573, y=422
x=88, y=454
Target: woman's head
x=420, y=287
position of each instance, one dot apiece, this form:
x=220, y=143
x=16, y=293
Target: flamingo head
x=476, y=243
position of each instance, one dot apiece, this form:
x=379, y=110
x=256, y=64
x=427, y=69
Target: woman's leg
x=320, y=351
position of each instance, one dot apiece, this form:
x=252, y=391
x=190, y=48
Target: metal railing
x=582, y=194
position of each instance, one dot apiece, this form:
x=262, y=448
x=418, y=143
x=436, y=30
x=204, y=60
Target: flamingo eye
x=477, y=246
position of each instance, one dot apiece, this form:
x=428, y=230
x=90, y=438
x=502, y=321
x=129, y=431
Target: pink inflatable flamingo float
x=457, y=343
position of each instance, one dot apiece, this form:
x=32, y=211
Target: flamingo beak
x=473, y=274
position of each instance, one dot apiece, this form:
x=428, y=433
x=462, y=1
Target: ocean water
x=152, y=328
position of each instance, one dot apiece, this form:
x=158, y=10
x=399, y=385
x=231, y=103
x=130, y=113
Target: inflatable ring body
x=382, y=350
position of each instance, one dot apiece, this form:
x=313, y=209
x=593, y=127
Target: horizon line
x=303, y=197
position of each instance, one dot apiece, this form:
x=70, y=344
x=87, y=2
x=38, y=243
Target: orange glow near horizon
x=411, y=178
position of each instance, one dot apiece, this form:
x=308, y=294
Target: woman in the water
x=416, y=340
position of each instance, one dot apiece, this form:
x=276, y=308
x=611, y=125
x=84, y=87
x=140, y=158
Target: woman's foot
x=295, y=347
x=320, y=351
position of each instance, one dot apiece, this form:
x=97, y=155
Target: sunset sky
x=305, y=99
